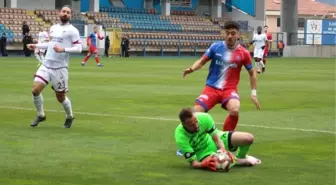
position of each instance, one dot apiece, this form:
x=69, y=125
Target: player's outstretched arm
x=219, y=142
x=196, y=66
x=77, y=48
x=207, y=163
x=42, y=45
x=253, y=82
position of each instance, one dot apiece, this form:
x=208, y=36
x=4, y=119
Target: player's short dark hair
x=231, y=25
x=67, y=6
x=265, y=26
x=185, y=113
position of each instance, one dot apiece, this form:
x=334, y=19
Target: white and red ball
x=223, y=161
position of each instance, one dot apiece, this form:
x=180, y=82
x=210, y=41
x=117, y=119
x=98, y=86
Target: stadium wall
x=76, y=5
x=105, y=3
x=148, y=4
x=60, y=3
x=36, y=4
x=134, y=3
x=203, y=7
x=2, y=3
x=236, y=15
x=254, y=22
x=157, y=6
x=315, y=51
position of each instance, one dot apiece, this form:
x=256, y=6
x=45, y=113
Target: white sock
x=67, y=107
x=262, y=63
x=38, y=101
x=257, y=65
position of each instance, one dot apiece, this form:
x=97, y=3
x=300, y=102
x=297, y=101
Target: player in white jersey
x=64, y=39
x=259, y=41
x=42, y=38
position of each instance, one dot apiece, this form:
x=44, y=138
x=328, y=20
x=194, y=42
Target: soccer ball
x=223, y=161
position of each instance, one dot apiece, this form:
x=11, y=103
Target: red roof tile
x=306, y=7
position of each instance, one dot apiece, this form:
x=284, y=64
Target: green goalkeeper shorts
x=226, y=138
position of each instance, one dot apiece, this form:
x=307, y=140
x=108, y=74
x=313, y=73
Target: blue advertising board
x=322, y=32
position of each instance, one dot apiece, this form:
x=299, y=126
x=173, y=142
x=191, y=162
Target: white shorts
x=39, y=51
x=57, y=77
x=258, y=53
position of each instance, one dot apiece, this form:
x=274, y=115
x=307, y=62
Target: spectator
x=25, y=29
x=124, y=47
x=27, y=39
x=107, y=45
x=3, y=44
x=281, y=47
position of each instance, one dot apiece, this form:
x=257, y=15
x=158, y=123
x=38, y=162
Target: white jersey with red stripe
x=65, y=36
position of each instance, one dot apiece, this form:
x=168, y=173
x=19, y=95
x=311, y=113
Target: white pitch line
x=167, y=119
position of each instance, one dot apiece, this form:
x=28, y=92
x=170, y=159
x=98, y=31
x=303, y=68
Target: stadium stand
x=182, y=31
x=11, y=20
x=142, y=19
x=51, y=16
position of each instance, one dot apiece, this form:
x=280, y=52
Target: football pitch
x=126, y=113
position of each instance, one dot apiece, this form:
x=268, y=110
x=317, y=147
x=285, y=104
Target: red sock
x=97, y=60
x=230, y=123
x=86, y=58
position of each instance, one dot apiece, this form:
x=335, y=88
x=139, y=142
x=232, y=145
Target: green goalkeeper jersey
x=198, y=145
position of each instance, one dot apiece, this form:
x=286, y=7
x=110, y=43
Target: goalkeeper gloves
x=209, y=163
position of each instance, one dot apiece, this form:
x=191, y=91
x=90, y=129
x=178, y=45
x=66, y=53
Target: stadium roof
x=306, y=7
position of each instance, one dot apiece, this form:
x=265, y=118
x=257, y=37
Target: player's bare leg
x=264, y=68
x=262, y=65
x=232, y=106
x=38, y=102
x=64, y=100
x=258, y=65
x=243, y=141
x=86, y=58
x=198, y=108
x=97, y=60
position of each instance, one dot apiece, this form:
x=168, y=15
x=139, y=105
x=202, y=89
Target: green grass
x=123, y=141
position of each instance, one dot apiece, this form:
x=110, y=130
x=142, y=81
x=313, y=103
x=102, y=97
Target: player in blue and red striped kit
x=92, y=44
x=227, y=57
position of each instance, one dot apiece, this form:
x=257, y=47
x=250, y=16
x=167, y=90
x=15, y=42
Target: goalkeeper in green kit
x=198, y=138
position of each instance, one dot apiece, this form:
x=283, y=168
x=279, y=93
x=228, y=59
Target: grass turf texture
x=124, y=140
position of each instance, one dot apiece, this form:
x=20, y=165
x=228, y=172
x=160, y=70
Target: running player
x=224, y=75
x=92, y=43
x=198, y=138
x=259, y=41
x=65, y=39
x=42, y=38
x=268, y=46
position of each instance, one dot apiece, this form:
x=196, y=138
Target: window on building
x=301, y=22
x=278, y=22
